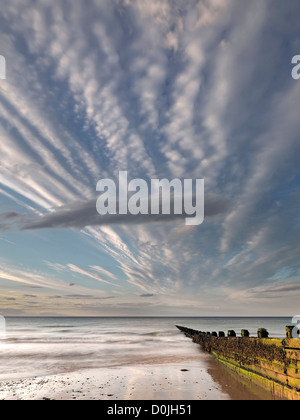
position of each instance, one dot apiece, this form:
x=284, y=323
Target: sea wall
x=272, y=363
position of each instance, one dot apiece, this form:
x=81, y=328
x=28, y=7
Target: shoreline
x=113, y=361
x=180, y=381
x=184, y=381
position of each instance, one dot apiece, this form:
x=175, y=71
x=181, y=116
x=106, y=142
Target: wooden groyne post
x=271, y=363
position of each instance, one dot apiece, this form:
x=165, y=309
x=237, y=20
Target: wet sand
x=194, y=380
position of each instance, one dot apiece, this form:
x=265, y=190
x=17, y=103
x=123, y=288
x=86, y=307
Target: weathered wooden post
x=245, y=333
x=231, y=333
x=262, y=333
x=292, y=331
x=289, y=331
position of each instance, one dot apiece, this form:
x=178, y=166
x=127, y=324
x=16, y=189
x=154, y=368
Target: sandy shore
x=157, y=382
x=182, y=381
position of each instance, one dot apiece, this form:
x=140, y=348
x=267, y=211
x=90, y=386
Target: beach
x=112, y=359
x=157, y=382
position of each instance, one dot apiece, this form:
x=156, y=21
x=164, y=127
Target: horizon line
x=148, y=316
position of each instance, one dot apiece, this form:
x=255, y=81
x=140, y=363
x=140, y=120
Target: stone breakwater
x=271, y=363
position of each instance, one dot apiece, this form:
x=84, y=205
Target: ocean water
x=46, y=346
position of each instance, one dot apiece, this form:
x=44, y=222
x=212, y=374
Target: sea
x=46, y=346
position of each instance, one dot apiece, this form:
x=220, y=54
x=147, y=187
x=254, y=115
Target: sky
x=197, y=89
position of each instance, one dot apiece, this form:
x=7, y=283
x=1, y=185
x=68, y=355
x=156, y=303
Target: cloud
x=90, y=274
x=9, y=215
x=88, y=297
x=163, y=89
x=25, y=279
x=9, y=220
x=80, y=215
x=104, y=272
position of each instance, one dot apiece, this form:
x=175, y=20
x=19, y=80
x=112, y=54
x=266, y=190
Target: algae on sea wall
x=268, y=361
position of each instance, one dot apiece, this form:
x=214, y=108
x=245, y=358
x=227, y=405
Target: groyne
x=271, y=363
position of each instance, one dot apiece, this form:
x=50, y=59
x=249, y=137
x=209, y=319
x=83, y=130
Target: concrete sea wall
x=271, y=363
